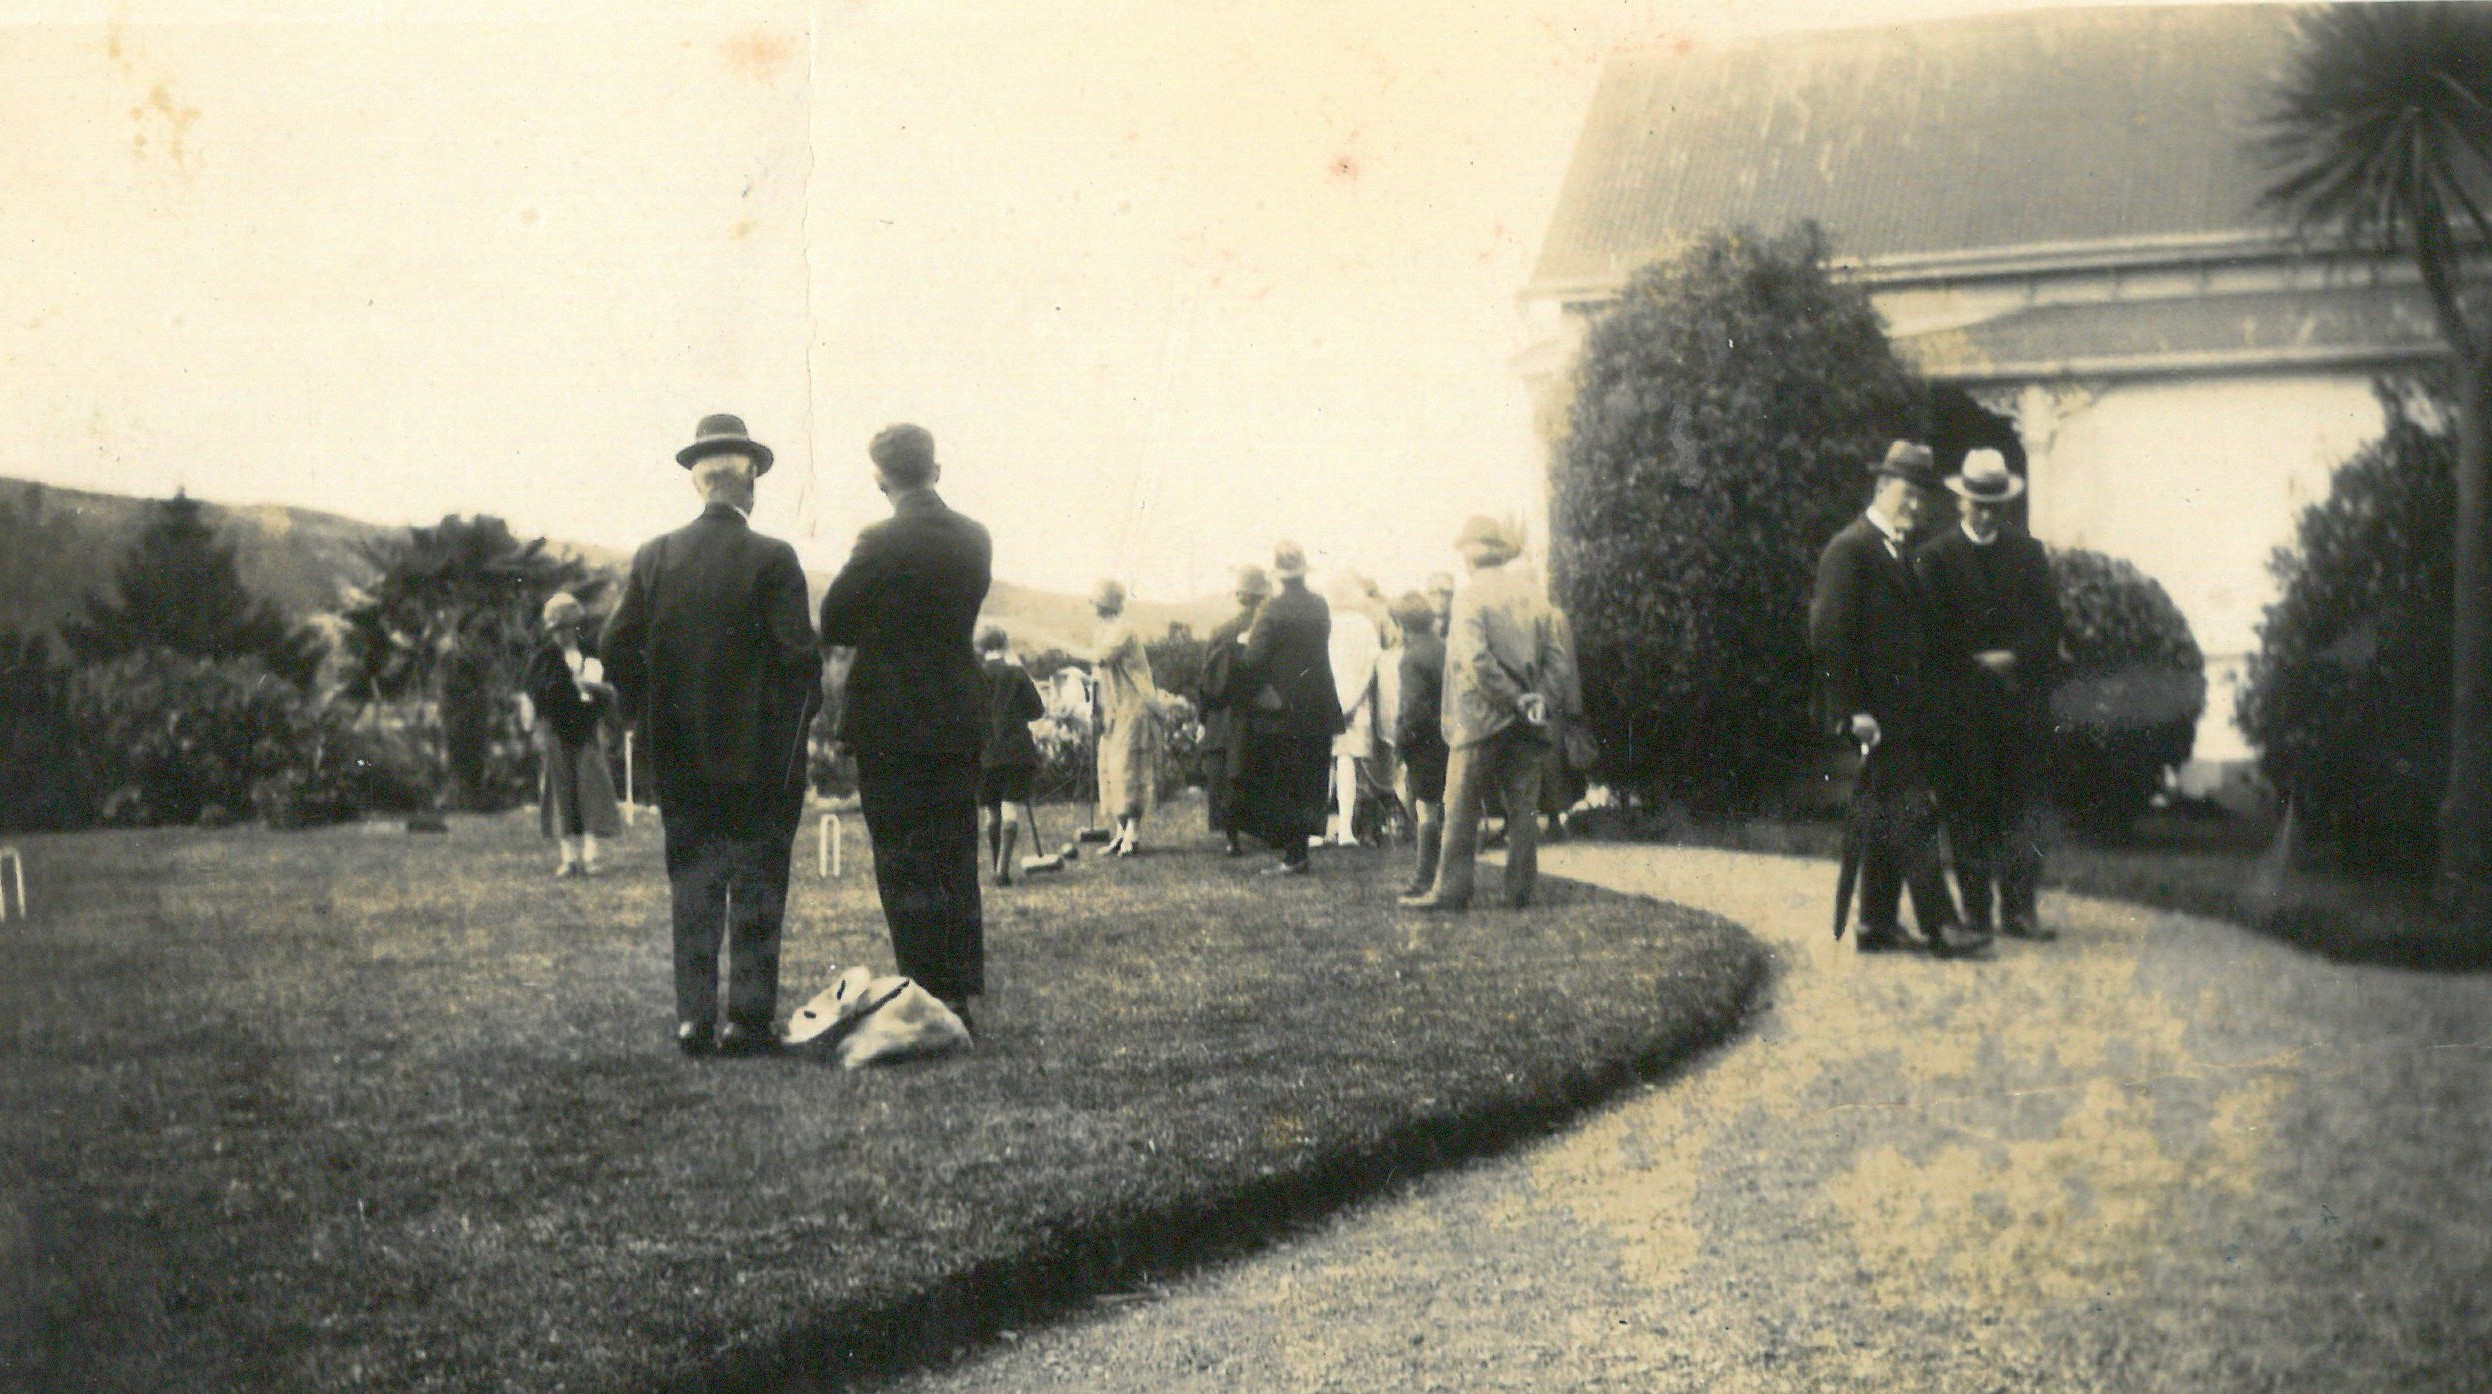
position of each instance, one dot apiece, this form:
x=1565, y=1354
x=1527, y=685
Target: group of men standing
x=1485, y=674
x=1937, y=658
x=712, y=655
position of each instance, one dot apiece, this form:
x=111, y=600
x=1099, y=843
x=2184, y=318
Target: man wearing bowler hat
x=1868, y=626
x=1994, y=637
x=914, y=713
x=714, y=661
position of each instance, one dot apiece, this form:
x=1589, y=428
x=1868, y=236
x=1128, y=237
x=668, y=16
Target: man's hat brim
x=2014, y=488
x=707, y=446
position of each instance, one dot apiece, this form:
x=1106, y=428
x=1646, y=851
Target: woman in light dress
x=1128, y=722
x=1355, y=646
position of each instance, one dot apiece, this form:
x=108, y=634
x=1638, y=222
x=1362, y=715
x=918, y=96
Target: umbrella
x=1855, y=846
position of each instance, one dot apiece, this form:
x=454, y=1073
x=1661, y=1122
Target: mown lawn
x=345, y=1110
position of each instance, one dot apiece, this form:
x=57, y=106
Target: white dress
x=1354, y=649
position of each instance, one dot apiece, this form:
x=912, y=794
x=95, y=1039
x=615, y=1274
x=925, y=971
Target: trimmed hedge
x=2131, y=690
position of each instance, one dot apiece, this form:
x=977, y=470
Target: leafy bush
x=2347, y=697
x=176, y=736
x=1723, y=413
x=44, y=776
x=2127, y=704
x=176, y=739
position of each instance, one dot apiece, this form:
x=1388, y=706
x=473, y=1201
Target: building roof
x=2341, y=326
x=2037, y=130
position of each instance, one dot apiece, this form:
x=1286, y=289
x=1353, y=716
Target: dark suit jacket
x=1995, y=597
x=907, y=602
x=1217, y=695
x=1289, y=653
x=711, y=654
x=1866, y=627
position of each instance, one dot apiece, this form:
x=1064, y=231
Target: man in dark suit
x=1868, y=629
x=1291, y=714
x=712, y=658
x=1994, y=636
x=1222, y=747
x=914, y=713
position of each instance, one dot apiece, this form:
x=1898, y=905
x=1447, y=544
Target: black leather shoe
x=1952, y=940
x=693, y=1038
x=1882, y=939
x=738, y=1040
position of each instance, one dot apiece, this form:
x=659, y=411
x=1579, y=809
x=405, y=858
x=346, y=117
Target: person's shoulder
x=1849, y=540
x=773, y=549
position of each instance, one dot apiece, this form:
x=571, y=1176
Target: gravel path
x=2159, y=1154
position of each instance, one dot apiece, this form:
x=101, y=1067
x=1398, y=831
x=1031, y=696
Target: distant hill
x=58, y=545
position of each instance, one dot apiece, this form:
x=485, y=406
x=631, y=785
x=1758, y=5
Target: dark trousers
x=727, y=849
x=922, y=814
x=1284, y=783
x=1899, y=814
x=1992, y=794
x=1218, y=767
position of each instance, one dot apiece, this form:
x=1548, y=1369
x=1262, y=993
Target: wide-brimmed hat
x=562, y=607
x=1911, y=462
x=1252, y=581
x=1289, y=561
x=1108, y=595
x=1985, y=478
x=1487, y=534
x=719, y=434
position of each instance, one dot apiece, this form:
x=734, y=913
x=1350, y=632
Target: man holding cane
x=1867, y=627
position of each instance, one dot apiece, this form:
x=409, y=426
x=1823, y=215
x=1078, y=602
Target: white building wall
x=2196, y=481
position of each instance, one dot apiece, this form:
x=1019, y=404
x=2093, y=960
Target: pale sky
x=1167, y=281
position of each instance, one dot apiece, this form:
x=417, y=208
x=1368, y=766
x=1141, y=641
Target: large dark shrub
x=176, y=739
x=45, y=781
x=1723, y=413
x=2347, y=697
x=2127, y=704
x=175, y=736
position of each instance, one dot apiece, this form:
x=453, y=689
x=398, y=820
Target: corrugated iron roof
x=2357, y=325
x=2074, y=126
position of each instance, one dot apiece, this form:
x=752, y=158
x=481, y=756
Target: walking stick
x=1855, y=846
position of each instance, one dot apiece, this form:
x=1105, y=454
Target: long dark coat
x=1289, y=653
x=1865, y=627
x=711, y=654
x=1982, y=598
x=1288, y=713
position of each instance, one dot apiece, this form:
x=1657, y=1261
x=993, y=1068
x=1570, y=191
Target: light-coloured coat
x=1502, y=642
